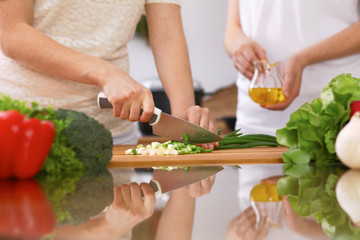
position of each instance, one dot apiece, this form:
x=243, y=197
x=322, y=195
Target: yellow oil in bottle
x=265, y=192
x=267, y=96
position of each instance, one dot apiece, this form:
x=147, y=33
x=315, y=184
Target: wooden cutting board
x=256, y=155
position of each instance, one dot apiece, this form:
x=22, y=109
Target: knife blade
x=171, y=127
x=165, y=181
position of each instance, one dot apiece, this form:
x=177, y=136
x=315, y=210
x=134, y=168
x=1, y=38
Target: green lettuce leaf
x=311, y=131
x=311, y=192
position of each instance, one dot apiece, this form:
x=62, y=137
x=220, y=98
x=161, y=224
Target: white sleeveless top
x=283, y=28
x=99, y=28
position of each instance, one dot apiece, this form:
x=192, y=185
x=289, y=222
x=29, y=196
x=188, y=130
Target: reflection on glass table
x=264, y=213
x=270, y=216
x=258, y=201
x=313, y=191
x=106, y=206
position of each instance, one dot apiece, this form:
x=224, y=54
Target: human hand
x=194, y=190
x=202, y=117
x=305, y=227
x=244, y=56
x=271, y=180
x=127, y=97
x=200, y=188
x=292, y=71
x=244, y=227
x=129, y=207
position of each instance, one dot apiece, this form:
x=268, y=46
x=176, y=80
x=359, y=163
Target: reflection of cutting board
x=257, y=155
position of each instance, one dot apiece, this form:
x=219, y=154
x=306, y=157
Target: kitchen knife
x=165, y=181
x=171, y=127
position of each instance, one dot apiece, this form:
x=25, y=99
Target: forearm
x=96, y=228
x=35, y=50
x=39, y=52
x=233, y=33
x=177, y=218
x=311, y=230
x=232, y=39
x=171, y=55
x=344, y=43
x=174, y=71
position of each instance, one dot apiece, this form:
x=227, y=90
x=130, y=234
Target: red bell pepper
x=25, y=212
x=24, y=144
x=355, y=107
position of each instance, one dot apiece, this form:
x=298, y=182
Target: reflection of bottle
x=267, y=204
x=266, y=84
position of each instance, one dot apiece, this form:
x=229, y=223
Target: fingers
x=278, y=106
x=261, y=54
x=149, y=196
x=205, y=118
x=245, y=55
x=125, y=111
x=271, y=180
x=263, y=229
x=129, y=207
x=291, y=90
x=243, y=66
x=148, y=106
x=134, y=112
x=118, y=199
x=202, y=117
x=128, y=196
x=246, y=221
x=281, y=106
x=126, y=193
x=200, y=188
x=194, y=115
x=127, y=97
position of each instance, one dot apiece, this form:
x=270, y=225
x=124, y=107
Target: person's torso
x=100, y=28
x=283, y=28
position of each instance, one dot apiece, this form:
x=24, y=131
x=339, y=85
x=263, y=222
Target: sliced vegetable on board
x=237, y=140
x=231, y=141
x=167, y=148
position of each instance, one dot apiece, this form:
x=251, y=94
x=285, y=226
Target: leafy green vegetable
x=312, y=129
x=91, y=141
x=311, y=193
x=61, y=157
x=81, y=143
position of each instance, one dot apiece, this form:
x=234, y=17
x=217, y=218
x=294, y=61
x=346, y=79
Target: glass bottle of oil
x=267, y=204
x=266, y=85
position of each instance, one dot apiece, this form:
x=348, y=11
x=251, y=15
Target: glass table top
x=260, y=201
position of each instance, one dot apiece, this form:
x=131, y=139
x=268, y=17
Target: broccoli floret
x=75, y=198
x=91, y=141
x=85, y=202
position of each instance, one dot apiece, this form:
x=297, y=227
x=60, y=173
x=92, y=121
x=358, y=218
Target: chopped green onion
x=236, y=140
x=166, y=148
x=186, y=138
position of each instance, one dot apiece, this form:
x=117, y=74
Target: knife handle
x=103, y=102
x=155, y=185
